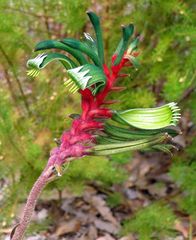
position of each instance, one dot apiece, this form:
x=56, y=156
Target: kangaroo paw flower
x=149, y=118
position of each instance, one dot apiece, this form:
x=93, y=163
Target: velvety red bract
x=82, y=135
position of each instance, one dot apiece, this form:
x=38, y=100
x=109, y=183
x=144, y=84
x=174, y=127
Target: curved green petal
x=42, y=60
x=122, y=46
x=133, y=45
x=53, y=44
x=87, y=76
x=75, y=44
x=97, y=27
x=90, y=42
x=133, y=60
x=149, y=118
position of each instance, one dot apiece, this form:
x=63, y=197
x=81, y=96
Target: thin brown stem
x=8, y=8
x=8, y=80
x=46, y=18
x=11, y=65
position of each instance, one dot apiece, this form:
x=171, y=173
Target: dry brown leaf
x=83, y=237
x=180, y=140
x=130, y=237
x=106, y=226
x=82, y=217
x=132, y=193
x=178, y=238
x=92, y=234
x=157, y=190
x=68, y=227
x=103, y=209
x=106, y=237
x=181, y=228
x=144, y=168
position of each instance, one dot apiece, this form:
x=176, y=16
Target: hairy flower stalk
x=90, y=132
x=41, y=182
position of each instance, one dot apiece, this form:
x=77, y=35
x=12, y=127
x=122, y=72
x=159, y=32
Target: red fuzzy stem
x=106, y=113
x=91, y=125
x=30, y=205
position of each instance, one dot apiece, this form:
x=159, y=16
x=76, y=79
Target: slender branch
x=189, y=90
x=8, y=80
x=15, y=146
x=46, y=18
x=24, y=12
x=19, y=230
x=10, y=63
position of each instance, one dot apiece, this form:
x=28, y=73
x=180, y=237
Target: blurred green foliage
x=152, y=222
x=115, y=199
x=35, y=111
x=88, y=169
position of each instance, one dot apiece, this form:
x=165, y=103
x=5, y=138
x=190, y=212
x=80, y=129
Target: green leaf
x=149, y=118
x=96, y=24
x=53, y=44
x=127, y=32
x=87, y=76
x=75, y=44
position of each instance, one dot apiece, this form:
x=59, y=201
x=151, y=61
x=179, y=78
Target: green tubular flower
x=149, y=118
x=84, y=77
x=125, y=134
x=90, y=42
x=133, y=60
x=81, y=77
x=83, y=48
x=54, y=44
x=113, y=148
x=133, y=46
x=42, y=60
x=127, y=32
x=34, y=65
x=164, y=148
x=98, y=31
x=129, y=53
